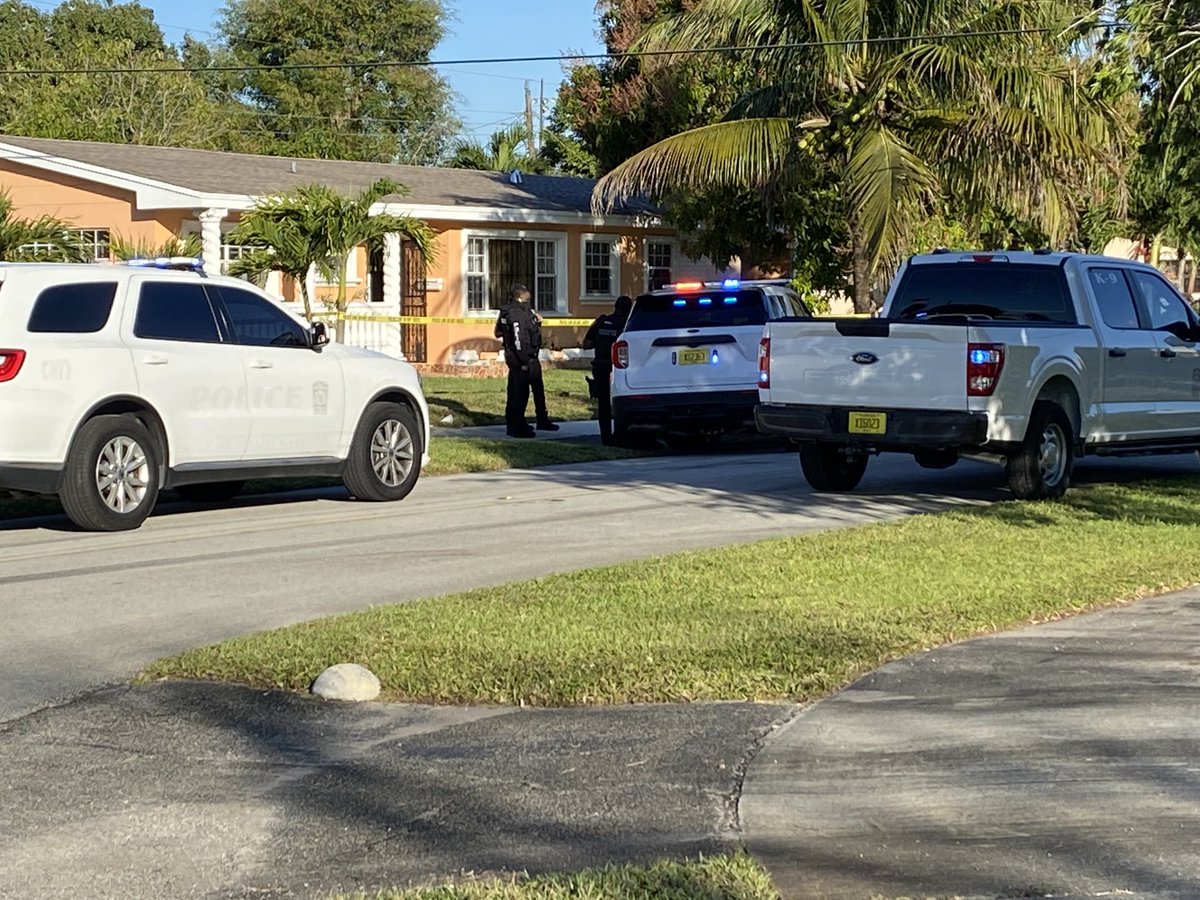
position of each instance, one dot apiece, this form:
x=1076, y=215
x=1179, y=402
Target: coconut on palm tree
x=901, y=105
x=44, y=239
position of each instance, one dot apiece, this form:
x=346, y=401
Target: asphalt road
x=85, y=610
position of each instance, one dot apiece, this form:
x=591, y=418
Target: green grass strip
x=733, y=877
x=791, y=618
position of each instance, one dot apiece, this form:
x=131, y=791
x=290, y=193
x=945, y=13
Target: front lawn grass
x=791, y=618
x=733, y=877
x=480, y=401
x=450, y=456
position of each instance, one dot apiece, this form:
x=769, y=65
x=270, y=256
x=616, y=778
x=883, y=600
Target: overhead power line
x=687, y=51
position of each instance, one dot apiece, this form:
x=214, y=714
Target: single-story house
x=493, y=229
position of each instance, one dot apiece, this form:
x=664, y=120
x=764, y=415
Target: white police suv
x=687, y=363
x=117, y=381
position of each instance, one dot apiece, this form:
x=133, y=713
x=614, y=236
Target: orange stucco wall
x=85, y=204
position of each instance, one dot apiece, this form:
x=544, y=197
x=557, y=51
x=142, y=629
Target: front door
x=414, y=338
x=296, y=395
x=1179, y=359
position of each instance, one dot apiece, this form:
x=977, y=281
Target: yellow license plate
x=693, y=357
x=868, y=423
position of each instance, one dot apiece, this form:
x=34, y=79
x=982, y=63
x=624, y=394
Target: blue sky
x=488, y=96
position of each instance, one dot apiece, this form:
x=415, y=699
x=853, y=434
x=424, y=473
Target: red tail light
x=764, y=363
x=10, y=363
x=985, y=362
x=620, y=355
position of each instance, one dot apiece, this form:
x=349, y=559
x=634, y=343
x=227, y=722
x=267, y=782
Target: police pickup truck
x=1028, y=360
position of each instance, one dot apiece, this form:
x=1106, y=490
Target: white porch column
x=210, y=238
x=391, y=271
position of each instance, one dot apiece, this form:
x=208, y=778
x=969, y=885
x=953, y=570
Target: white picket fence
x=368, y=329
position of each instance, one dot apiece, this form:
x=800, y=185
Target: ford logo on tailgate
x=865, y=359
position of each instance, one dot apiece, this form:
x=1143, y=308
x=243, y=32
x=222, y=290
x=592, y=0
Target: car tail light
x=764, y=363
x=10, y=363
x=620, y=355
x=985, y=362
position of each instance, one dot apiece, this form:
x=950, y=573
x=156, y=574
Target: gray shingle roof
x=214, y=172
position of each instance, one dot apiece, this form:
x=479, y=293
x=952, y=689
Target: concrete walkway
x=575, y=431
x=1059, y=760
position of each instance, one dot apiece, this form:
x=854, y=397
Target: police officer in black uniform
x=517, y=327
x=600, y=337
x=536, y=384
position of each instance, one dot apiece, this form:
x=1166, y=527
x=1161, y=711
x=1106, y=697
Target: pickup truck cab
x=1028, y=360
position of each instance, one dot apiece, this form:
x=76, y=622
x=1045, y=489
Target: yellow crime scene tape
x=481, y=321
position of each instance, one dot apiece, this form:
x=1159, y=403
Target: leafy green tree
x=507, y=150
x=315, y=225
x=993, y=121
x=44, y=239
x=365, y=111
x=131, y=107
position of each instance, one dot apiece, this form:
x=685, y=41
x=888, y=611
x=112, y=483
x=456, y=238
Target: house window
x=600, y=273
x=658, y=264
x=495, y=262
x=230, y=253
x=95, y=241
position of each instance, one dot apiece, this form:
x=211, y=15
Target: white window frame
x=558, y=238
x=670, y=242
x=95, y=241
x=614, y=267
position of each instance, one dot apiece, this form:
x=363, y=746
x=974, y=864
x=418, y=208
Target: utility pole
x=541, y=138
x=530, y=137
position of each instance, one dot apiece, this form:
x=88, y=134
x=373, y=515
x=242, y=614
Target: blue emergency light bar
x=174, y=263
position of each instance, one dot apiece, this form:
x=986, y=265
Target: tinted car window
x=1167, y=310
x=997, y=290
x=697, y=309
x=175, y=311
x=257, y=322
x=81, y=308
x=1113, y=297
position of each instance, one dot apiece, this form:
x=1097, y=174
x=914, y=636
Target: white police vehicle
x=117, y=381
x=686, y=366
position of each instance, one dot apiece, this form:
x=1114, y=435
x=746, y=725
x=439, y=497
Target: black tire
x=110, y=481
x=829, y=469
x=214, y=492
x=1041, y=468
x=385, y=456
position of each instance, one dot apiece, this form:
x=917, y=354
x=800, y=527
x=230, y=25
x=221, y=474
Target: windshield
x=979, y=290
x=697, y=309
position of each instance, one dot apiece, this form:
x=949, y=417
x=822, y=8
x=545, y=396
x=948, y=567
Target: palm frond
x=742, y=153
x=887, y=186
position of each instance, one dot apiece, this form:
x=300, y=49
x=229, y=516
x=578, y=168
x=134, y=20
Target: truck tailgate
x=868, y=363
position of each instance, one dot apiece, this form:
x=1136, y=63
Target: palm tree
x=123, y=248
x=45, y=239
x=507, y=150
x=284, y=236
x=315, y=225
x=868, y=90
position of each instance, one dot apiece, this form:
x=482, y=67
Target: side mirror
x=320, y=335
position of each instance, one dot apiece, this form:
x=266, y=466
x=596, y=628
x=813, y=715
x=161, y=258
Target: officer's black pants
x=601, y=378
x=518, y=398
x=538, y=387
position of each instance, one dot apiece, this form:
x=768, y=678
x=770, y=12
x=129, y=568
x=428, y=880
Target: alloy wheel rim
x=392, y=453
x=122, y=475
x=1052, y=455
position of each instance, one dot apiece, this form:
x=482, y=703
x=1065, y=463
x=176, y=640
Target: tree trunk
x=341, y=299
x=303, y=283
x=860, y=273
x=1192, y=279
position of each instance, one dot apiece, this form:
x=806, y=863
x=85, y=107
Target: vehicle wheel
x=385, y=457
x=110, y=481
x=830, y=469
x=1041, y=469
x=935, y=459
x=216, y=492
